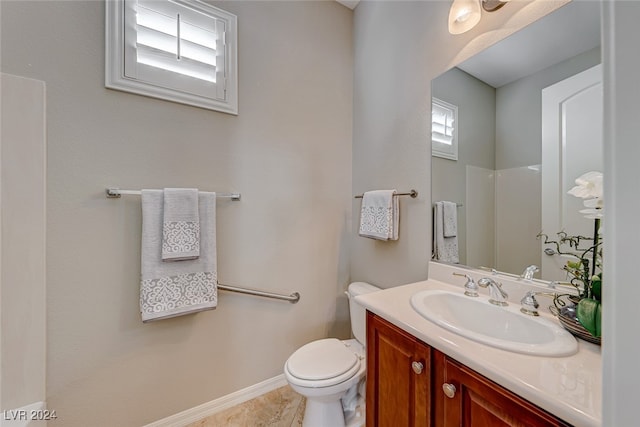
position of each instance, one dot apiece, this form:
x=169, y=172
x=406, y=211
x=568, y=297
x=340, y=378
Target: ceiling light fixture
x=465, y=14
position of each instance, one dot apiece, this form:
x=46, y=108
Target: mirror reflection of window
x=444, y=138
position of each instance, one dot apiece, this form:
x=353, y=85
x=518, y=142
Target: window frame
x=115, y=53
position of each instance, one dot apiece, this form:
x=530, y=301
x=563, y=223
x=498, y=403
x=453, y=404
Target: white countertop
x=568, y=387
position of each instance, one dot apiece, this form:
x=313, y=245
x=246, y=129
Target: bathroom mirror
x=497, y=179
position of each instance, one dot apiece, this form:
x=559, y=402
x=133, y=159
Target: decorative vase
x=568, y=319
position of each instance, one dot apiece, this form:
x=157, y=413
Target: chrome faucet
x=529, y=272
x=470, y=288
x=497, y=296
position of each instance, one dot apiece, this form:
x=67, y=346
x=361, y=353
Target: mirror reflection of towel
x=450, y=219
x=444, y=248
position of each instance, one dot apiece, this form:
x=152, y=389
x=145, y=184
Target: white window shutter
x=180, y=50
x=221, y=47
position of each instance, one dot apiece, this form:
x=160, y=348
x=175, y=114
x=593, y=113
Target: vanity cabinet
x=465, y=398
x=398, y=377
x=411, y=384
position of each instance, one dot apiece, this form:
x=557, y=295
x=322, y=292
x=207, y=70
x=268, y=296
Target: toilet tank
x=357, y=312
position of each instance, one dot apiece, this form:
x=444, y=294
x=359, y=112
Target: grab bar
x=292, y=298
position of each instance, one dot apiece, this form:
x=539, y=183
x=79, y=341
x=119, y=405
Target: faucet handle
x=529, y=304
x=470, y=288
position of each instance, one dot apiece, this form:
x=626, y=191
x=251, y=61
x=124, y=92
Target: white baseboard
x=199, y=412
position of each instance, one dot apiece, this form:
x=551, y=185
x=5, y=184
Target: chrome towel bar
x=116, y=193
x=413, y=193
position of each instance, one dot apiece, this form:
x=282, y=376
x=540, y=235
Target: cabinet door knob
x=417, y=367
x=449, y=390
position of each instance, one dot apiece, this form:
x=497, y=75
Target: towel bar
x=293, y=298
x=413, y=193
x=116, y=193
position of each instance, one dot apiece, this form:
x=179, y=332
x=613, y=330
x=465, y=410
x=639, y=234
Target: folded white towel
x=169, y=289
x=444, y=248
x=180, y=224
x=450, y=218
x=380, y=215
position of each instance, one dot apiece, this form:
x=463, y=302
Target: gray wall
x=391, y=108
x=621, y=293
x=476, y=128
x=288, y=152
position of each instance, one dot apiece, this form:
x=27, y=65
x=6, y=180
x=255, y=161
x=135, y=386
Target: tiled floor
x=282, y=407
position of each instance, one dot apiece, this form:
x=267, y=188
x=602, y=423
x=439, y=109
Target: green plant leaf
x=596, y=287
x=599, y=320
x=589, y=315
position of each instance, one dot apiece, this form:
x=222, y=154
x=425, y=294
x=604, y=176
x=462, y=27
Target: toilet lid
x=321, y=360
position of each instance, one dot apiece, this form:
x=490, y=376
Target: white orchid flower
x=596, y=203
x=588, y=186
x=592, y=213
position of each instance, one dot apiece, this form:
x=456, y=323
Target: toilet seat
x=322, y=363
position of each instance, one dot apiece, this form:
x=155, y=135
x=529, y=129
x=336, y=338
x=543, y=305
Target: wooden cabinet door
x=479, y=402
x=398, y=377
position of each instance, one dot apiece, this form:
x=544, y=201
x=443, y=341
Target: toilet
x=330, y=373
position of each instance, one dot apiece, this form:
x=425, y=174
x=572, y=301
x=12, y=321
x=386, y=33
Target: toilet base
x=323, y=413
x=356, y=418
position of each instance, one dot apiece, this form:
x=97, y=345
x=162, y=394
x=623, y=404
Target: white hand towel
x=444, y=248
x=169, y=289
x=450, y=218
x=180, y=224
x=380, y=215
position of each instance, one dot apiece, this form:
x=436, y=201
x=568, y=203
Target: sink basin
x=501, y=327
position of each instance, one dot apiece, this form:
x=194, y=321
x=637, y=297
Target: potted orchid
x=584, y=271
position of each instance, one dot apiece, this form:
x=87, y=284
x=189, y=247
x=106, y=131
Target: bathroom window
x=444, y=138
x=179, y=50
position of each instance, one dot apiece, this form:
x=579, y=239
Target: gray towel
x=169, y=289
x=180, y=224
x=450, y=219
x=379, y=215
x=444, y=248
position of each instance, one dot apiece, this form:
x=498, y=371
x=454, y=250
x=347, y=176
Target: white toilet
x=324, y=371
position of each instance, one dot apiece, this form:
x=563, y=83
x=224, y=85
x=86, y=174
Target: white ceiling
x=566, y=32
